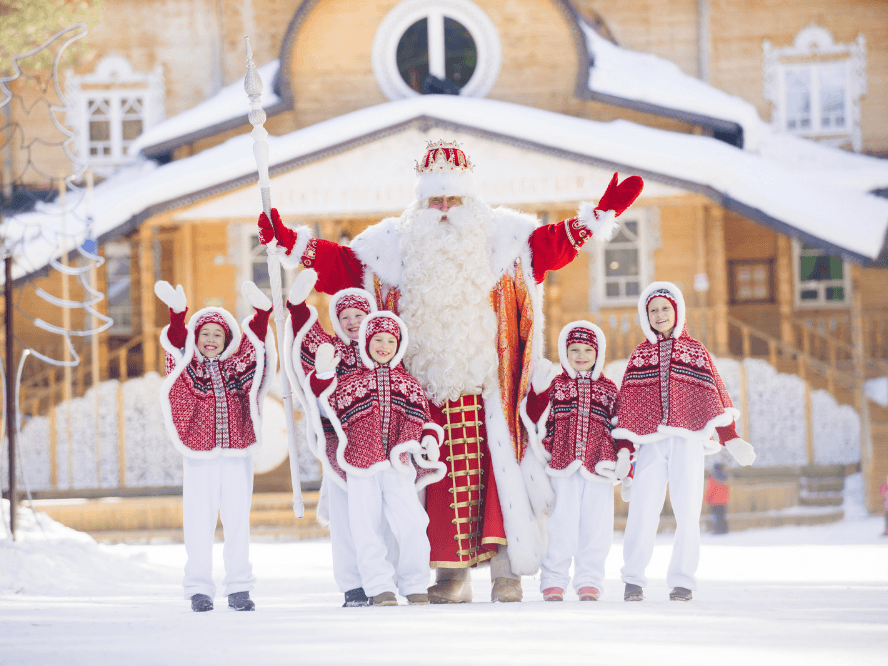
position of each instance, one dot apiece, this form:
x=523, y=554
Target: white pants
x=345, y=557
x=391, y=496
x=678, y=462
x=581, y=528
x=212, y=487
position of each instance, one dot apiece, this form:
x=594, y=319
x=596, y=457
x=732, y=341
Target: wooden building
x=555, y=95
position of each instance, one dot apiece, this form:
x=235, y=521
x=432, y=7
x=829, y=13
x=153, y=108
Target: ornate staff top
x=253, y=88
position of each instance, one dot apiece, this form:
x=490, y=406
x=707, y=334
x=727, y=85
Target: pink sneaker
x=589, y=593
x=553, y=594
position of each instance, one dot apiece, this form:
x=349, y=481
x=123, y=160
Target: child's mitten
x=741, y=450
x=325, y=360
x=624, y=465
x=255, y=297
x=302, y=286
x=174, y=299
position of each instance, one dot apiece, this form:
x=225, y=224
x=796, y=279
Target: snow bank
x=50, y=559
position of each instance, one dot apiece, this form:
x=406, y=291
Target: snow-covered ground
x=793, y=595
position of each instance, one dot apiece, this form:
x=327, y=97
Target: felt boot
x=506, y=590
x=200, y=603
x=240, y=601
x=384, y=599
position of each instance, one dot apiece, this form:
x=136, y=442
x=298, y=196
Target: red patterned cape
x=212, y=406
x=379, y=415
x=672, y=387
x=578, y=424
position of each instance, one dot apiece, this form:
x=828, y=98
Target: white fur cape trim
x=314, y=430
x=432, y=462
x=294, y=258
x=600, y=354
x=601, y=223
x=342, y=293
x=456, y=183
x=368, y=362
x=266, y=362
x=536, y=431
x=705, y=433
x=680, y=311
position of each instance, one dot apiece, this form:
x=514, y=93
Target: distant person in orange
x=717, y=494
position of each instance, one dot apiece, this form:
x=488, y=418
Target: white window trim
x=114, y=78
x=396, y=22
x=240, y=240
x=112, y=250
x=811, y=46
x=819, y=303
x=648, y=239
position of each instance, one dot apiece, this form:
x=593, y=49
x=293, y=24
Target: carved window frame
x=798, y=252
x=812, y=49
x=648, y=240
x=113, y=79
x=405, y=14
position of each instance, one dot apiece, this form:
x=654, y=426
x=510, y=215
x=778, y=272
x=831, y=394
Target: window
x=249, y=255
x=815, y=87
x=118, y=278
x=623, y=266
x=452, y=40
x=751, y=281
x=109, y=108
x=821, y=280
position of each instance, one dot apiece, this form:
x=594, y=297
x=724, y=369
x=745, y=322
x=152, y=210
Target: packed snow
x=791, y=595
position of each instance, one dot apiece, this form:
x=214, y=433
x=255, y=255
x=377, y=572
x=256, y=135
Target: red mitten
x=286, y=237
x=266, y=230
x=618, y=197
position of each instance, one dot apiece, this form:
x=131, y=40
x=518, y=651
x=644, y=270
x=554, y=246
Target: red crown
x=443, y=156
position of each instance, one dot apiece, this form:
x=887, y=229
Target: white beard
x=445, y=301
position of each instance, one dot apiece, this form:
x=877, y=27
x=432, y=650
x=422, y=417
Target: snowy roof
x=226, y=109
x=812, y=192
x=656, y=82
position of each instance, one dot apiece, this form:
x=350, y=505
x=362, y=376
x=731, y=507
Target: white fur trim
x=680, y=311
x=293, y=366
x=539, y=487
x=510, y=241
x=663, y=431
x=536, y=431
x=294, y=258
x=412, y=447
x=362, y=339
x=264, y=377
x=600, y=354
x=625, y=489
x=342, y=293
x=378, y=248
x=601, y=223
x=525, y=530
x=315, y=430
x=458, y=183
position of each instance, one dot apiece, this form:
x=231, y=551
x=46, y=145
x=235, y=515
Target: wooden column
x=150, y=332
x=718, y=278
x=870, y=484
x=784, y=281
x=554, y=315
x=185, y=264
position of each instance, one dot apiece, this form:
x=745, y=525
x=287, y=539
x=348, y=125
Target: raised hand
x=302, y=286
x=174, y=299
x=618, y=197
x=325, y=359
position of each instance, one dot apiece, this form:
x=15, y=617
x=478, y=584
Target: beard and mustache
x=445, y=300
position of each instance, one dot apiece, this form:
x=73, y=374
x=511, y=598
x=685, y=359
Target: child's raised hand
x=325, y=359
x=255, y=297
x=302, y=286
x=174, y=299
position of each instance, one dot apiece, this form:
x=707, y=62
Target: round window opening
x=432, y=62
